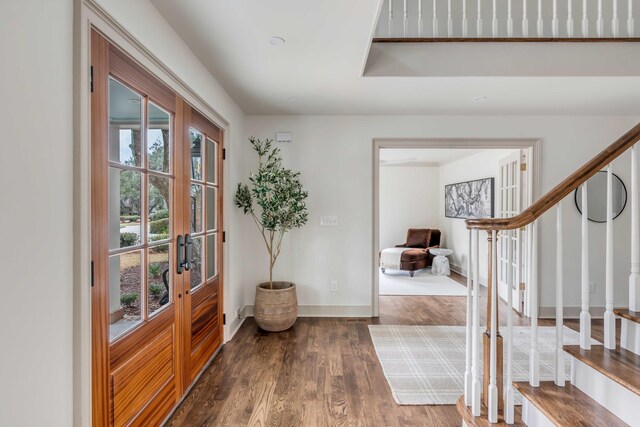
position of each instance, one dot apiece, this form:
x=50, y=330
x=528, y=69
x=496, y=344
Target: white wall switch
x=284, y=137
x=329, y=221
x=334, y=286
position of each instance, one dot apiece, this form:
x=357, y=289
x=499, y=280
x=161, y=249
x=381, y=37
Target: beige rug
x=424, y=365
x=395, y=282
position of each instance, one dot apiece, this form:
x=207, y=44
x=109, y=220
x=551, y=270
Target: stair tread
x=622, y=366
x=482, y=420
x=567, y=406
x=634, y=316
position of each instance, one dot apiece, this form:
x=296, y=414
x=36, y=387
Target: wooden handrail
x=561, y=190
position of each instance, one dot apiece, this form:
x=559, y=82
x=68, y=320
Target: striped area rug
x=424, y=365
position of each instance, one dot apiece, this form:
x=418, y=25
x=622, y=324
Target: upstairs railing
x=490, y=390
x=506, y=20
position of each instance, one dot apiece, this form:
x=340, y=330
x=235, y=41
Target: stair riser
x=619, y=400
x=630, y=336
x=533, y=417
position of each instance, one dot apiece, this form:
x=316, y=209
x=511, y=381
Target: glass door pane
x=140, y=206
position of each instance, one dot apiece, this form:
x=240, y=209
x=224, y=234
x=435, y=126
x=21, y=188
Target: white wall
x=36, y=215
x=335, y=157
x=409, y=198
x=485, y=164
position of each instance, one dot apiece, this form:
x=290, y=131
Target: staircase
x=604, y=387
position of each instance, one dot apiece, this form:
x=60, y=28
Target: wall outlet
x=329, y=221
x=592, y=287
x=334, y=286
x=239, y=313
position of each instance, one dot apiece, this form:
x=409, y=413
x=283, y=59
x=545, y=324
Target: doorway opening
x=423, y=192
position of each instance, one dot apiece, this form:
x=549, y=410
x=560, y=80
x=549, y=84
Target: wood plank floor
x=321, y=372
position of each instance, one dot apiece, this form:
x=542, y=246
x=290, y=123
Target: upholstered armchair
x=418, y=243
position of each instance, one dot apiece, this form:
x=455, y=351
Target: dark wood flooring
x=321, y=372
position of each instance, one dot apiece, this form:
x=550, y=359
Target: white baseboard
x=326, y=311
x=463, y=271
x=570, y=312
x=235, y=324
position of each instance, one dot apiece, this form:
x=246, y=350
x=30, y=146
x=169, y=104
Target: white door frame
x=531, y=144
x=89, y=14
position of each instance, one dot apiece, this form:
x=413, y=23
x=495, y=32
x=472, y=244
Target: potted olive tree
x=275, y=200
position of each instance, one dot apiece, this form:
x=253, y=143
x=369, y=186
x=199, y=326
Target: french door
x=510, y=184
x=156, y=247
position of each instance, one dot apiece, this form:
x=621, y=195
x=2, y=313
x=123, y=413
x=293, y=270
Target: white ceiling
x=319, y=69
x=427, y=156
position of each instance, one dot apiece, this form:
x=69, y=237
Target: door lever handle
x=180, y=248
x=188, y=257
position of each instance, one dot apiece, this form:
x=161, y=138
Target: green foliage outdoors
x=280, y=199
x=156, y=290
x=160, y=226
x=128, y=239
x=129, y=299
x=129, y=218
x=155, y=270
x=159, y=214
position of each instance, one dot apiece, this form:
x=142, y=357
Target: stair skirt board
x=533, y=417
x=617, y=399
x=630, y=336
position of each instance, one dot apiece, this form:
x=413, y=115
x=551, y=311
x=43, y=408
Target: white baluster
x=435, y=18
x=534, y=355
x=492, y=397
x=554, y=20
x=420, y=22
x=494, y=21
x=509, y=408
x=540, y=21
x=570, y=18
x=609, y=317
x=465, y=21
x=390, y=18
x=525, y=20
x=559, y=355
x=449, y=20
x=615, y=22
x=405, y=19
x=476, y=386
x=634, y=277
x=509, y=20
x=585, y=316
x=585, y=20
x=630, y=21
x=469, y=331
x=600, y=21
x=479, y=19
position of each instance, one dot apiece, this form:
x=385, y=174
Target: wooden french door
x=156, y=287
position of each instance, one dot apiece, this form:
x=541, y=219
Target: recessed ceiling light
x=276, y=41
x=480, y=98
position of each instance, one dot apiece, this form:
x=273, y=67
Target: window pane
x=159, y=278
x=196, y=263
x=196, y=208
x=212, y=253
x=196, y=154
x=125, y=285
x=125, y=119
x=212, y=161
x=158, y=142
x=212, y=208
x=124, y=208
x=159, y=212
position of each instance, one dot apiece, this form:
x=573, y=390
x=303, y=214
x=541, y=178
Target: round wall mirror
x=597, y=196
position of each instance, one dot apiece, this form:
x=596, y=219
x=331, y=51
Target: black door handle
x=188, y=243
x=180, y=254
